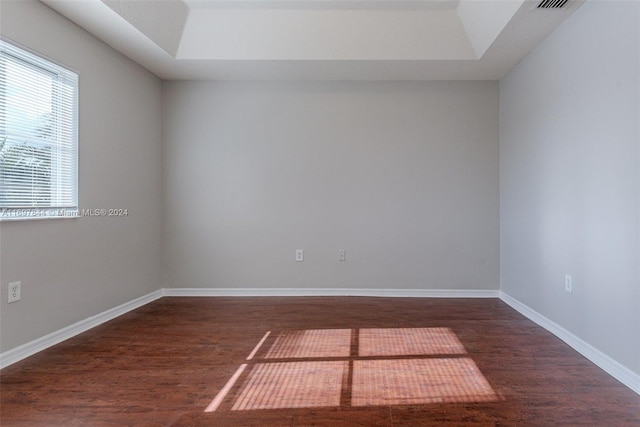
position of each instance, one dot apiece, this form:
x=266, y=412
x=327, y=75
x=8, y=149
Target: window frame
x=62, y=182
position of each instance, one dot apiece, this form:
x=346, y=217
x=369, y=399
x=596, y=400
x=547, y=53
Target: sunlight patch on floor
x=418, y=381
x=360, y=367
x=311, y=343
x=408, y=342
x=293, y=385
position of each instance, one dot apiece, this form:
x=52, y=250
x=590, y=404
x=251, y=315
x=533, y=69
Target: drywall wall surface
x=569, y=178
x=403, y=176
x=71, y=269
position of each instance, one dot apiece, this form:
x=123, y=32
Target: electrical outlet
x=568, y=283
x=14, y=291
x=299, y=255
x=342, y=255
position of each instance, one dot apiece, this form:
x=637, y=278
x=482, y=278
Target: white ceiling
x=319, y=39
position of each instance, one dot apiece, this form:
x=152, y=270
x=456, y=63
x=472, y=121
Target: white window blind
x=38, y=137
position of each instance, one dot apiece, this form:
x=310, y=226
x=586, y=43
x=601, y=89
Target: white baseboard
x=309, y=292
x=615, y=369
x=606, y=363
x=18, y=353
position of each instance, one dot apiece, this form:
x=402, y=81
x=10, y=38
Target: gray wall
x=570, y=178
x=404, y=176
x=75, y=268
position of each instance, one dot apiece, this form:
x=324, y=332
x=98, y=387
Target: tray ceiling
x=320, y=39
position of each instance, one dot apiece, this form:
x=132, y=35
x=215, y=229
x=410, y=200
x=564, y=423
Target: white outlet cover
x=568, y=283
x=14, y=292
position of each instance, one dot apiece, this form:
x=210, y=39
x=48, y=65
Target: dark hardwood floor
x=164, y=363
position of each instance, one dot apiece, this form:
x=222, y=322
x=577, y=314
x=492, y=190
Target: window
x=38, y=137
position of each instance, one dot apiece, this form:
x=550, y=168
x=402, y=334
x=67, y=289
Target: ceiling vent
x=552, y=4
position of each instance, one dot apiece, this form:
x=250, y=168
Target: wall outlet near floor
x=14, y=291
x=568, y=283
x=299, y=255
x=342, y=255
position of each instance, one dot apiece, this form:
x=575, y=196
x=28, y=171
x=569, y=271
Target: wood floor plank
x=162, y=364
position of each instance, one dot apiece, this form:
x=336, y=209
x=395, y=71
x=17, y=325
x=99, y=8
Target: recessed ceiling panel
x=325, y=4
x=161, y=21
x=366, y=40
x=303, y=34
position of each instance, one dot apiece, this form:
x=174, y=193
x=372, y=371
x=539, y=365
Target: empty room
x=319, y=212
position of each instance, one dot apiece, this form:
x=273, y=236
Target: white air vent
x=552, y=4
